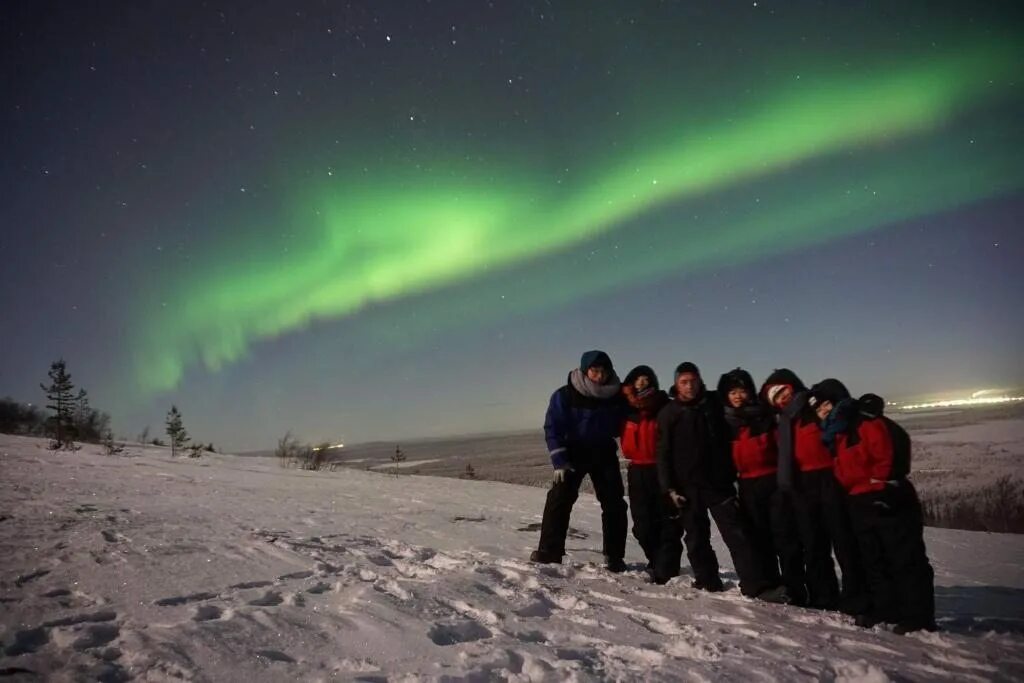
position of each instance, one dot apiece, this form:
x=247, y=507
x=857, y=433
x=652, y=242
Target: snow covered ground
x=140, y=567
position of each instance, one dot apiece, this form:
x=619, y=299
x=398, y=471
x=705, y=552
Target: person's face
x=597, y=374
x=737, y=397
x=823, y=409
x=642, y=382
x=687, y=386
x=784, y=397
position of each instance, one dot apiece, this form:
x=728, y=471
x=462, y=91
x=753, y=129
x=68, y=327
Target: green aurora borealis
x=831, y=151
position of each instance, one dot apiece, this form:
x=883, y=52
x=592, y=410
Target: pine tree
x=176, y=431
x=61, y=402
x=398, y=458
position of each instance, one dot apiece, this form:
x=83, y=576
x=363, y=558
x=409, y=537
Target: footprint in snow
x=250, y=584
x=275, y=656
x=31, y=576
x=96, y=635
x=268, y=599
x=295, y=575
x=453, y=633
x=319, y=588
x=27, y=641
x=89, y=618
x=184, y=599
x=111, y=536
x=654, y=623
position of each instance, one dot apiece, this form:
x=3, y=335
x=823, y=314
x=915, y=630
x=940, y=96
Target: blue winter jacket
x=576, y=425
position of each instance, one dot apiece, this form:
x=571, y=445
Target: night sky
x=379, y=220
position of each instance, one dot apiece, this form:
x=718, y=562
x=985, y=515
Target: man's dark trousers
x=603, y=468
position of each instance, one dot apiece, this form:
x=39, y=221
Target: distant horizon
x=1017, y=392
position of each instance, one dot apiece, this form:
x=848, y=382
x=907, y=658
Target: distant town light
x=959, y=402
x=337, y=445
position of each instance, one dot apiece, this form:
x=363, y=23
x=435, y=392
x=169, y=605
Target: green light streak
x=405, y=234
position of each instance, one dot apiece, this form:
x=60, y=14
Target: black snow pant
x=790, y=549
x=824, y=525
x=696, y=527
x=603, y=468
x=890, y=533
x=651, y=524
x=774, y=535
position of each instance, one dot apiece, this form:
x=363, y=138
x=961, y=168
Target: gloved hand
x=677, y=499
x=558, y=477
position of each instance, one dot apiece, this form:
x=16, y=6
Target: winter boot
x=541, y=557
x=710, y=587
x=615, y=564
x=776, y=595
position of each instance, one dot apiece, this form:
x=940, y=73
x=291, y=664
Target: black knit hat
x=595, y=358
x=827, y=390
x=686, y=367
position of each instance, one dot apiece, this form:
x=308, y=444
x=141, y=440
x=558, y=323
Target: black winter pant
x=651, y=524
x=696, y=528
x=890, y=534
x=824, y=525
x=603, y=469
x=774, y=534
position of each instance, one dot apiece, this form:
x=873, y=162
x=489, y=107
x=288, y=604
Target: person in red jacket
x=639, y=442
x=755, y=454
x=806, y=478
x=872, y=459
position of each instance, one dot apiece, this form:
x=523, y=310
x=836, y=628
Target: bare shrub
x=997, y=507
x=289, y=450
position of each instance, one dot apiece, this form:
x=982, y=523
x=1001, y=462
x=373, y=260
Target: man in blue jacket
x=584, y=417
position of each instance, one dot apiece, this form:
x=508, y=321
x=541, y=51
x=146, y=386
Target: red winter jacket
x=755, y=456
x=866, y=466
x=639, y=438
x=808, y=450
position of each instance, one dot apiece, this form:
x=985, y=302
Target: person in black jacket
x=696, y=473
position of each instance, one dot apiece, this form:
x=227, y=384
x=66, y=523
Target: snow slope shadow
x=980, y=609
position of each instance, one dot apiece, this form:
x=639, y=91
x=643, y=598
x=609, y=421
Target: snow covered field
x=140, y=567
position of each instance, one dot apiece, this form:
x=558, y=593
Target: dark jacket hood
x=737, y=378
x=639, y=371
x=782, y=376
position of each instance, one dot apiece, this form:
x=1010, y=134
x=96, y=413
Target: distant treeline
x=85, y=423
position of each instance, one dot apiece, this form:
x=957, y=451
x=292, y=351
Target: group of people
x=790, y=475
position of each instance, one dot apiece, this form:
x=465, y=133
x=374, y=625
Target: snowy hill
x=232, y=569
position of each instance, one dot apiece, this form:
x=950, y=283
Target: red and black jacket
x=639, y=439
x=872, y=452
x=754, y=448
x=865, y=463
x=809, y=452
x=799, y=435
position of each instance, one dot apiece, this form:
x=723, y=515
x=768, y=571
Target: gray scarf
x=786, y=475
x=583, y=384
